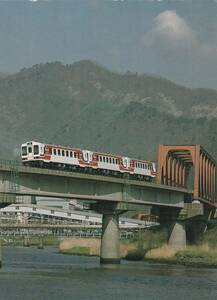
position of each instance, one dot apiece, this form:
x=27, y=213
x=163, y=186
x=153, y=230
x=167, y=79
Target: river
x=30, y=273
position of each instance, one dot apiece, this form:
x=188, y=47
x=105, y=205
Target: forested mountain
x=85, y=105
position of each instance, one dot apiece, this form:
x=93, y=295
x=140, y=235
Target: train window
x=24, y=150
x=58, y=151
x=67, y=153
x=50, y=150
x=71, y=154
x=100, y=158
x=107, y=159
x=103, y=158
x=63, y=152
x=54, y=151
x=110, y=160
x=36, y=149
x=97, y=157
x=30, y=149
x=113, y=160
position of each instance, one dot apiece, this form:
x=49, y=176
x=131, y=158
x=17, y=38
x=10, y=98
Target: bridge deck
x=9, y=166
x=16, y=179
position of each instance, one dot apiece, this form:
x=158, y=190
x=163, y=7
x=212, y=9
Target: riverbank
x=91, y=247
x=129, y=249
x=29, y=241
x=194, y=256
x=152, y=247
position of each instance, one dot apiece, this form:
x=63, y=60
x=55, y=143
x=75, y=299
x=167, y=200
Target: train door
x=126, y=162
x=88, y=156
x=30, y=151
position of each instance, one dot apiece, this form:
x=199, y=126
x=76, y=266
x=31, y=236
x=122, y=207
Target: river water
x=30, y=273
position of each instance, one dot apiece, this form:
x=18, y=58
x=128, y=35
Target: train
x=38, y=154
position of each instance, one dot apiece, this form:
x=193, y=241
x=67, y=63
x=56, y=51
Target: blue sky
x=176, y=39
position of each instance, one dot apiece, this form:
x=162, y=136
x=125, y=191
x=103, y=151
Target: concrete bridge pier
x=174, y=220
x=110, y=239
x=40, y=244
x=1, y=253
x=177, y=235
x=25, y=241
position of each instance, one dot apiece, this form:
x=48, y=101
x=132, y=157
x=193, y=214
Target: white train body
x=39, y=154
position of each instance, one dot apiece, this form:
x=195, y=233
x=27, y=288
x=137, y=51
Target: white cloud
x=171, y=30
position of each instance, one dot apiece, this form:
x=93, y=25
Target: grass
x=134, y=249
x=77, y=251
x=209, y=237
x=32, y=241
x=148, y=240
x=195, y=256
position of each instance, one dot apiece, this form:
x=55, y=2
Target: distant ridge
x=85, y=105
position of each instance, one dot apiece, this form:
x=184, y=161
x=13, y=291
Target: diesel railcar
x=67, y=158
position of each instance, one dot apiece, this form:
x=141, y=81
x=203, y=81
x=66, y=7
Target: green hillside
x=85, y=105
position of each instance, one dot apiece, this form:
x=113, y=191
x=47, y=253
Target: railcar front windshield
x=24, y=150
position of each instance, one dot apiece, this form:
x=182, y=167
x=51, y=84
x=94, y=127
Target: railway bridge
x=169, y=196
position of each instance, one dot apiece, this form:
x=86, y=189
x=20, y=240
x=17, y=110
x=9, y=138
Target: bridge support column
x=25, y=241
x=40, y=244
x=177, y=235
x=110, y=240
x=0, y=253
